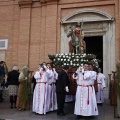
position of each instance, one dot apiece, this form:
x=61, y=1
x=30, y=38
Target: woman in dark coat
x=13, y=83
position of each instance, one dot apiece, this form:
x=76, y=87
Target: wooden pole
x=30, y=77
x=110, y=88
x=114, y=72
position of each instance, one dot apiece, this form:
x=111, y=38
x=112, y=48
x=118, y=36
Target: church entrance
x=94, y=45
x=99, y=32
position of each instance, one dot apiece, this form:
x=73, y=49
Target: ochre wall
x=33, y=28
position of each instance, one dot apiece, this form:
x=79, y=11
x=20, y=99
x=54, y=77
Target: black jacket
x=13, y=77
x=62, y=82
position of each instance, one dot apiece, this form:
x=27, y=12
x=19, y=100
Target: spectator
x=2, y=79
x=23, y=90
x=12, y=81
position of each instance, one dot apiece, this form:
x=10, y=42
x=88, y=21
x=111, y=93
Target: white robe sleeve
x=103, y=81
x=37, y=75
x=75, y=77
x=49, y=74
x=87, y=75
x=94, y=75
x=55, y=75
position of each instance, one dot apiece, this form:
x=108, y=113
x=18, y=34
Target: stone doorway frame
x=95, y=23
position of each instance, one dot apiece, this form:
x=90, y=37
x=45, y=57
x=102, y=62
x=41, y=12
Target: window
x=3, y=44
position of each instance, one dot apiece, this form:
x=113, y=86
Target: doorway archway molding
x=95, y=23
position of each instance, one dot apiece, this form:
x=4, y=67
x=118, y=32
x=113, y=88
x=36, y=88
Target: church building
x=32, y=29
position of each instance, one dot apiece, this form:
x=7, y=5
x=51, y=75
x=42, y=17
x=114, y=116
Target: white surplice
x=101, y=86
x=85, y=103
x=40, y=92
x=51, y=90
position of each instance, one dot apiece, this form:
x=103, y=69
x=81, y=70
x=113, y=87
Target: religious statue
x=76, y=44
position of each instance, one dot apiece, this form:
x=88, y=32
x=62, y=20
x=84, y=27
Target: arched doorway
x=95, y=23
x=98, y=24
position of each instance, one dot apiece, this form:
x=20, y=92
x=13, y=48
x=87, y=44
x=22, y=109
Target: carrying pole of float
x=110, y=88
x=114, y=72
x=30, y=77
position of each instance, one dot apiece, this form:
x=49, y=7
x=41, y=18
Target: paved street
x=105, y=113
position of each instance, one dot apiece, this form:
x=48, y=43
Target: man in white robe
x=85, y=104
x=101, y=86
x=40, y=91
x=51, y=89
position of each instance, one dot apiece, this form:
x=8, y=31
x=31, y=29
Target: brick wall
x=33, y=28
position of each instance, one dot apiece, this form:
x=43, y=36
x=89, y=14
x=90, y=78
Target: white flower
x=74, y=64
x=67, y=64
x=66, y=54
x=72, y=53
x=56, y=55
x=81, y=59
x=61, y=59
x=58, y=59
x=64, y=59
x=63, y=56
x=64, y=63
x=71, y=64
x=54, y=60
x=68, y=59
x=60, y=56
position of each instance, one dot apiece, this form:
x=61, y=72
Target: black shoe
x=1, y=101
x=11, y=107
x=87, y=117
x=64, y=113
x=78, y=117
x=61, y=114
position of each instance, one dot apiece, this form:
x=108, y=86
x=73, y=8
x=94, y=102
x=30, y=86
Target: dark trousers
x=60, y=102
x=1, y=98
x=13, y=100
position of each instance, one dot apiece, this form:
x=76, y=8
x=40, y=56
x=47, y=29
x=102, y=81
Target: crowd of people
x=50, y=89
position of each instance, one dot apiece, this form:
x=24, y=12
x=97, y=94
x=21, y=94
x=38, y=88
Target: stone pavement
x=106, y=112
